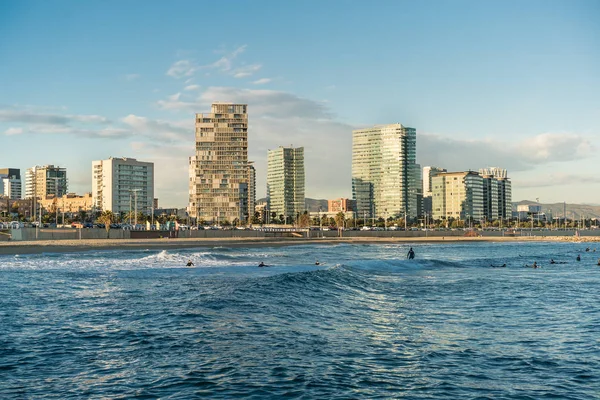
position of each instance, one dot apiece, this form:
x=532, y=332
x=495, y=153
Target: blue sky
x=511, y=84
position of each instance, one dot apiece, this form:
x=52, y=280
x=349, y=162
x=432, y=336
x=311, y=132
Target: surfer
x=534, y=265
x=587, y=249
x=317, y=262
x=598, y=262
x=411, y=254
x=498, y=266
x=552, y=261
x=262, y=264
x=189, y=263
x=578, y=257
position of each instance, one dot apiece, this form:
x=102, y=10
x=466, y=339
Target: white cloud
x=13, y=131
x=262, y=81
x=558, y=179
x=182, y=68
x=33, y=117
x=132, y=77
x=164, y=131
x=187, y=68
x=457, y=154
x=246, y=70
x=191, y=88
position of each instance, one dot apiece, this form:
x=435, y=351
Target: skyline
x=495, y=84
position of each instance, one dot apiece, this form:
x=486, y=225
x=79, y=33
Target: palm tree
x=106, y=218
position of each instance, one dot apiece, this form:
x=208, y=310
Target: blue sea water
x=367, y=323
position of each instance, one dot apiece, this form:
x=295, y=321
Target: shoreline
x=70, y=246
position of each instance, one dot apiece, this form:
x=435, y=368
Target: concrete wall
x=75, y=234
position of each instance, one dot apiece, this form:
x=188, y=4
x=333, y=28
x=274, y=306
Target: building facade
x=251, y=188
x=341, y=204
x=122, y=185
x=285, y=181
x=218, y=185
x=42, y=181
x=457, y=195
x=10, y=183
x=384, y=171
x=499, y=195
x=70, y=203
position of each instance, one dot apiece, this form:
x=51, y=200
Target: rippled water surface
x=367, y=323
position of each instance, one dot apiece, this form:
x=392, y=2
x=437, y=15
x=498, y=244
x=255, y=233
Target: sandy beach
x=68, y=246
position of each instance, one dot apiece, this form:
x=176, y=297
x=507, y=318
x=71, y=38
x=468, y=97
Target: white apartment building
x=10, y=183
x=219, y=171
x=285, y=181
x=121, y=185
x=428, y=173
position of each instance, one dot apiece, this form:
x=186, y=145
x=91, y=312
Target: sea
x=366, y=323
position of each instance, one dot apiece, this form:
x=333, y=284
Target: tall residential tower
x=384, y=171
x=47, y=180
x=10, y=183
x=285, y=181
x=218, y=186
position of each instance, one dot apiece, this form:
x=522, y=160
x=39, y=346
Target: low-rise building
x=70, y=203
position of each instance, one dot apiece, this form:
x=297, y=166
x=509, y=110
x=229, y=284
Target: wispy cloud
x=225, y=64
x=163, y=131
x=132, y=77
x=13, y=131
x=559, y=179
x=182, y=68
x=191, y=88
x=246, y=70
x=262, y=81
x=32, y=117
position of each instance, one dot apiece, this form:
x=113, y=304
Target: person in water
x=578, y=257
x=552, y=261
x=317, y=262
x=262, y=264
x=534, y=265
x=598, y=262
x=411, y=254
x=189, y=263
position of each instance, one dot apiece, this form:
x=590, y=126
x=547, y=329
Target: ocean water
x=367, y=323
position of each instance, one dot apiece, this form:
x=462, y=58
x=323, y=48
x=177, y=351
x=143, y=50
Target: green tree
x=106, y=218
x=339, y=220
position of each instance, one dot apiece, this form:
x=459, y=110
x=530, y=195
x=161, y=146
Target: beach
x=68, y=246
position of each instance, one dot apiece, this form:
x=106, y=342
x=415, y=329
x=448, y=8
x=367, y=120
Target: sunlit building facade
x=385, y=178
x=219, y=170
x=285, y=181
x=457, y=195
x=122, y=185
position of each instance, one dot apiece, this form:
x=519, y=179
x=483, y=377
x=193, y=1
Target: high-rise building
x=44, y=181
x=10, y=183
x=285, y=181
x=384, y=176
x=457, y=195
x=123, y=185
x=251, y=189
x=428, y=174
x=497, y=193
x=218, y=186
